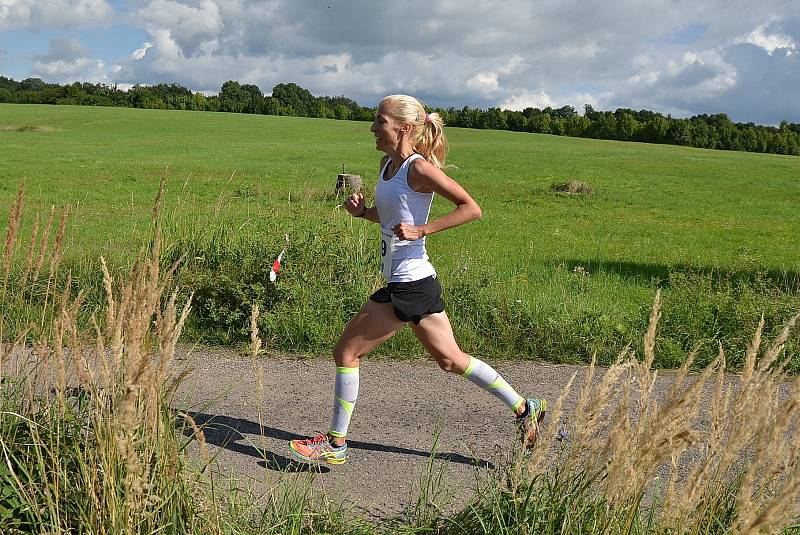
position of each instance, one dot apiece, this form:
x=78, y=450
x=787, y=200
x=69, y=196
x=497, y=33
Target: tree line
x=705, y=131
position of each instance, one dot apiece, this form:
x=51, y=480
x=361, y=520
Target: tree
x=140, y=96
x=540, y=123
x=589, y=113
x=792, y=143
x=605, y=126
x=341, y=112
x=212, y=103
x=558, y=126
x=295, y=97
x=320, y=109
x=470, y=117
x=200, y=102
x=516, y=121
x=232, y=97
x=494, y=119
x=726, y=131
x=32, y=84
x=627, y=127
x=271, y=106
x=343, y=107
x=577, y=126
x=253, y=97
x=701, y=134
x=709, y=131
x=565, y=112
x=656, y=128
x=680, y=132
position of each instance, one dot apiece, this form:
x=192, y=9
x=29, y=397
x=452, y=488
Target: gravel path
x=401, y=408
x=249, y=410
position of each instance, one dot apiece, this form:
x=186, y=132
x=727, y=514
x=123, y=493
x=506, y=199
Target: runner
x=410, y=174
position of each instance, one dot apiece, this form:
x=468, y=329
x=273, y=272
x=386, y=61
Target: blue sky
x=679, y=57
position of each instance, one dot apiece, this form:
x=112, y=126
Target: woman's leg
x=373, y=324
x=436, y=334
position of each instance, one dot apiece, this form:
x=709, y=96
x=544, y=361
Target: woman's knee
x=344, y=358
x=449, y=363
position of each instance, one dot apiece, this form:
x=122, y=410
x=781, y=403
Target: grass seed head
x=14, y=219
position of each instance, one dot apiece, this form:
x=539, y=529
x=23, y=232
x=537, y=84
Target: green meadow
x=542, y=275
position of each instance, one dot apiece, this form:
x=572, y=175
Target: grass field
x=541, y=275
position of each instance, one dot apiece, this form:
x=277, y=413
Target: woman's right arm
x=357, y=208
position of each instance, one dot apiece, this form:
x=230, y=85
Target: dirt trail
x=401, y=407
x=250, y=409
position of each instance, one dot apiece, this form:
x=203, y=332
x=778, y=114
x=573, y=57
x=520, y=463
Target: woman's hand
x=355, y=205
x=404, y=231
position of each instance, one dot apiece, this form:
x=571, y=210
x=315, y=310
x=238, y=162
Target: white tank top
x=398, y=203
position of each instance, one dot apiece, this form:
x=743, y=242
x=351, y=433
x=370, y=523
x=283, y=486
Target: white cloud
x=189, y=27
x=579, y=50
x=763, y=38
x=68, y=60
x=484, y=83
x=63, y=48
x=140, y=52
x=520, y=101
x=699, y=72
x=39, y=14
x=76, y=70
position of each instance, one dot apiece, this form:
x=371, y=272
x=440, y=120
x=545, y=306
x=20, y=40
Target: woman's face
x=386, y=130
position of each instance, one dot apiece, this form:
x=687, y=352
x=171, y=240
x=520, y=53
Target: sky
x=678, y=57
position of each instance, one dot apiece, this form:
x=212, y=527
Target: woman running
x=410, y=174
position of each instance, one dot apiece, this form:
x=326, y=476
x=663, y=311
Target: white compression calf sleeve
x=487, y=378
x=344, y=399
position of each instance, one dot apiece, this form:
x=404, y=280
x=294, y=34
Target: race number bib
x=387, y=250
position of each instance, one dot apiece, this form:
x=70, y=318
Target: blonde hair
x=427, y=131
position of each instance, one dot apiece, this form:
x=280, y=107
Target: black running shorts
x=413, y=299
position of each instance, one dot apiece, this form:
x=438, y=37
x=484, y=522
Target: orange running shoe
x=319, y=449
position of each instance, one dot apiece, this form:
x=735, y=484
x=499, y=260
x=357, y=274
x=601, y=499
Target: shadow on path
x=229, y=433
x=226, y=432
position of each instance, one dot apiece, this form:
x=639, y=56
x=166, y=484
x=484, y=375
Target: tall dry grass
x=713, y=454
x=88, y=442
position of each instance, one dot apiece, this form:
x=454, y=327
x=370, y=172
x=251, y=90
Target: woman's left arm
x=425, y=177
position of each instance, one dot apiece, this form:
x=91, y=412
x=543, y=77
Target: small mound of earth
x=573, y=187
x=27, y=128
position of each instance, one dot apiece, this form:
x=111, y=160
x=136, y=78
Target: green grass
x=714, y=227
